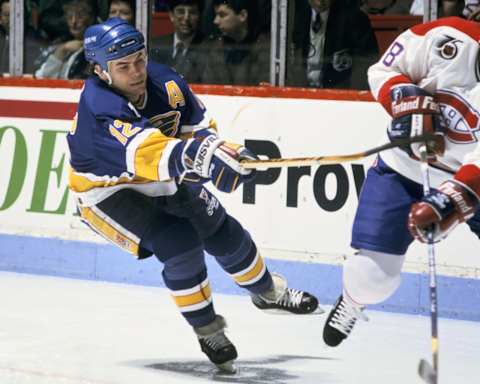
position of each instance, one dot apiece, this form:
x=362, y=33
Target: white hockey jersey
x=441, y=57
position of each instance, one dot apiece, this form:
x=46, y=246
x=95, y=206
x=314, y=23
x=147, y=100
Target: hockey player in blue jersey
x=141, y=147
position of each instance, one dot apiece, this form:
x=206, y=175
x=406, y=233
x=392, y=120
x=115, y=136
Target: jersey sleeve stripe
x=469, y=174
x=144, y=154
x=134, y=144
x=163, y=170
x=470, y=28
x=148, y=156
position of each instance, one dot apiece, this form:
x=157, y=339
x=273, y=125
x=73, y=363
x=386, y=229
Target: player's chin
x=138, y=86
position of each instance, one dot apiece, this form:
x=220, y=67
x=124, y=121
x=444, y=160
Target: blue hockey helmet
x=110, y=40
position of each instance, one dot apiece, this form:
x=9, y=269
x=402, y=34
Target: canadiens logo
x=461, y=118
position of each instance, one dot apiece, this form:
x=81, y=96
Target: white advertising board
x=295, y=213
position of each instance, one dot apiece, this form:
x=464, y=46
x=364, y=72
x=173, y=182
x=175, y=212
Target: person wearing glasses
x=184, y=49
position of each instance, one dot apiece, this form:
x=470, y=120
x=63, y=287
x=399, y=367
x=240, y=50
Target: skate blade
x=227, y=367
x=275, y=311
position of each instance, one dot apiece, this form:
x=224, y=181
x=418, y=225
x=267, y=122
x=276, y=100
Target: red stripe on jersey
x=469, y=174
x=38, y=109
x=384, y=93
x=470, y=28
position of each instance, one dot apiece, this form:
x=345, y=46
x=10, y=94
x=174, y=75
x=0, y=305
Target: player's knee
x=185, y=266
x=228, y=239
x=167, y=242
x=371, y=277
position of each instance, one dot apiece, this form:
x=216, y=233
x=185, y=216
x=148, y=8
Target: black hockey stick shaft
x=332, y=159
x=428, y=373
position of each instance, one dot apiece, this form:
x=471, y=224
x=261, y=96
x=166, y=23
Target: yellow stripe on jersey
x=108, y=231
x=252, y=273
x=203, y=295
x=148, y=155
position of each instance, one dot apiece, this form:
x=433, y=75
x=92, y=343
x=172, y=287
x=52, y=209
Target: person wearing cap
x=141, y=147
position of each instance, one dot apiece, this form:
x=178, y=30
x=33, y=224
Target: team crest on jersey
x=448, y=47
x=461, y=118
x=167, y=123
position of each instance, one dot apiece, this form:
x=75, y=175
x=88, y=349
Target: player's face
x=122, y=10
x=320, y=5
x=129, y=74
x=229, y=22
x=185, y=19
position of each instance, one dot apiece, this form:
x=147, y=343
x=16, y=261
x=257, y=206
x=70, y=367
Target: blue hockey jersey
x=114, y=144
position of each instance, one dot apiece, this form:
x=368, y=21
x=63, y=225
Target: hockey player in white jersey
x=428, y=81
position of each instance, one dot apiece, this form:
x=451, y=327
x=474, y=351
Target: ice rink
x=55, y=331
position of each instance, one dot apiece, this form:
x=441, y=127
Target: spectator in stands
x=386, y=7
x=32, y=42
x=184, y=49
x=124, y=9
x=333, y=45
x=65, y=59
x=263, y=10
x=445, y=8
x=241, y=55
x=471, y=11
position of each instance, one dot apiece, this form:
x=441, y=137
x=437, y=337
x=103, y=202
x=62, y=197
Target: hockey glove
x=414, y=113
x=442, y=210
x=216, y=160
x=192, y=179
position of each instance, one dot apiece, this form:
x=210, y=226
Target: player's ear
x=98, y=71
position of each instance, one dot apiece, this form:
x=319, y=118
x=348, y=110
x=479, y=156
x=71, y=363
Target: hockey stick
x=334, y=159
x=426, y=371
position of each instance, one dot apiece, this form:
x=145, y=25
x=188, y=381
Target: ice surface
x=62, y=331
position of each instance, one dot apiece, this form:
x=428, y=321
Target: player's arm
x=204, y=156
x=453, y=203
x=148, y=153
x=393, y=81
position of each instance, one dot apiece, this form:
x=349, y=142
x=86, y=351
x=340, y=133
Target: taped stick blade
x=426, y=372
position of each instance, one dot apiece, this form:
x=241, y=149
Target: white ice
x=63, y=331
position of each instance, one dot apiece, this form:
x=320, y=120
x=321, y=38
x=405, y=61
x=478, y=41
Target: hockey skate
x=218, y=348
x=283, y=300
x=340, y=321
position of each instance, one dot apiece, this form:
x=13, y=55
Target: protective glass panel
x=331, y=43
x=56, y=29
x=214, y=41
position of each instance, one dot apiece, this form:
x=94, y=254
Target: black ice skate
x=283, y=300
x=340, y=321
x=216, y=345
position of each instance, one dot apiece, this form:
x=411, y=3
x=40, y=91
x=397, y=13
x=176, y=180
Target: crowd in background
x=331, y=43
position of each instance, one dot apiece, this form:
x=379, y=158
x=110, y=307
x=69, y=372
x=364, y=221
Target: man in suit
x=183, y=49
x=333, y=45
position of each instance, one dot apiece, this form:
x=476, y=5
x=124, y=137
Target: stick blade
x=426, y=372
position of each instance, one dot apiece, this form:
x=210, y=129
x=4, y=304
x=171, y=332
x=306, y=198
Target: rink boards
x=299, y=217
